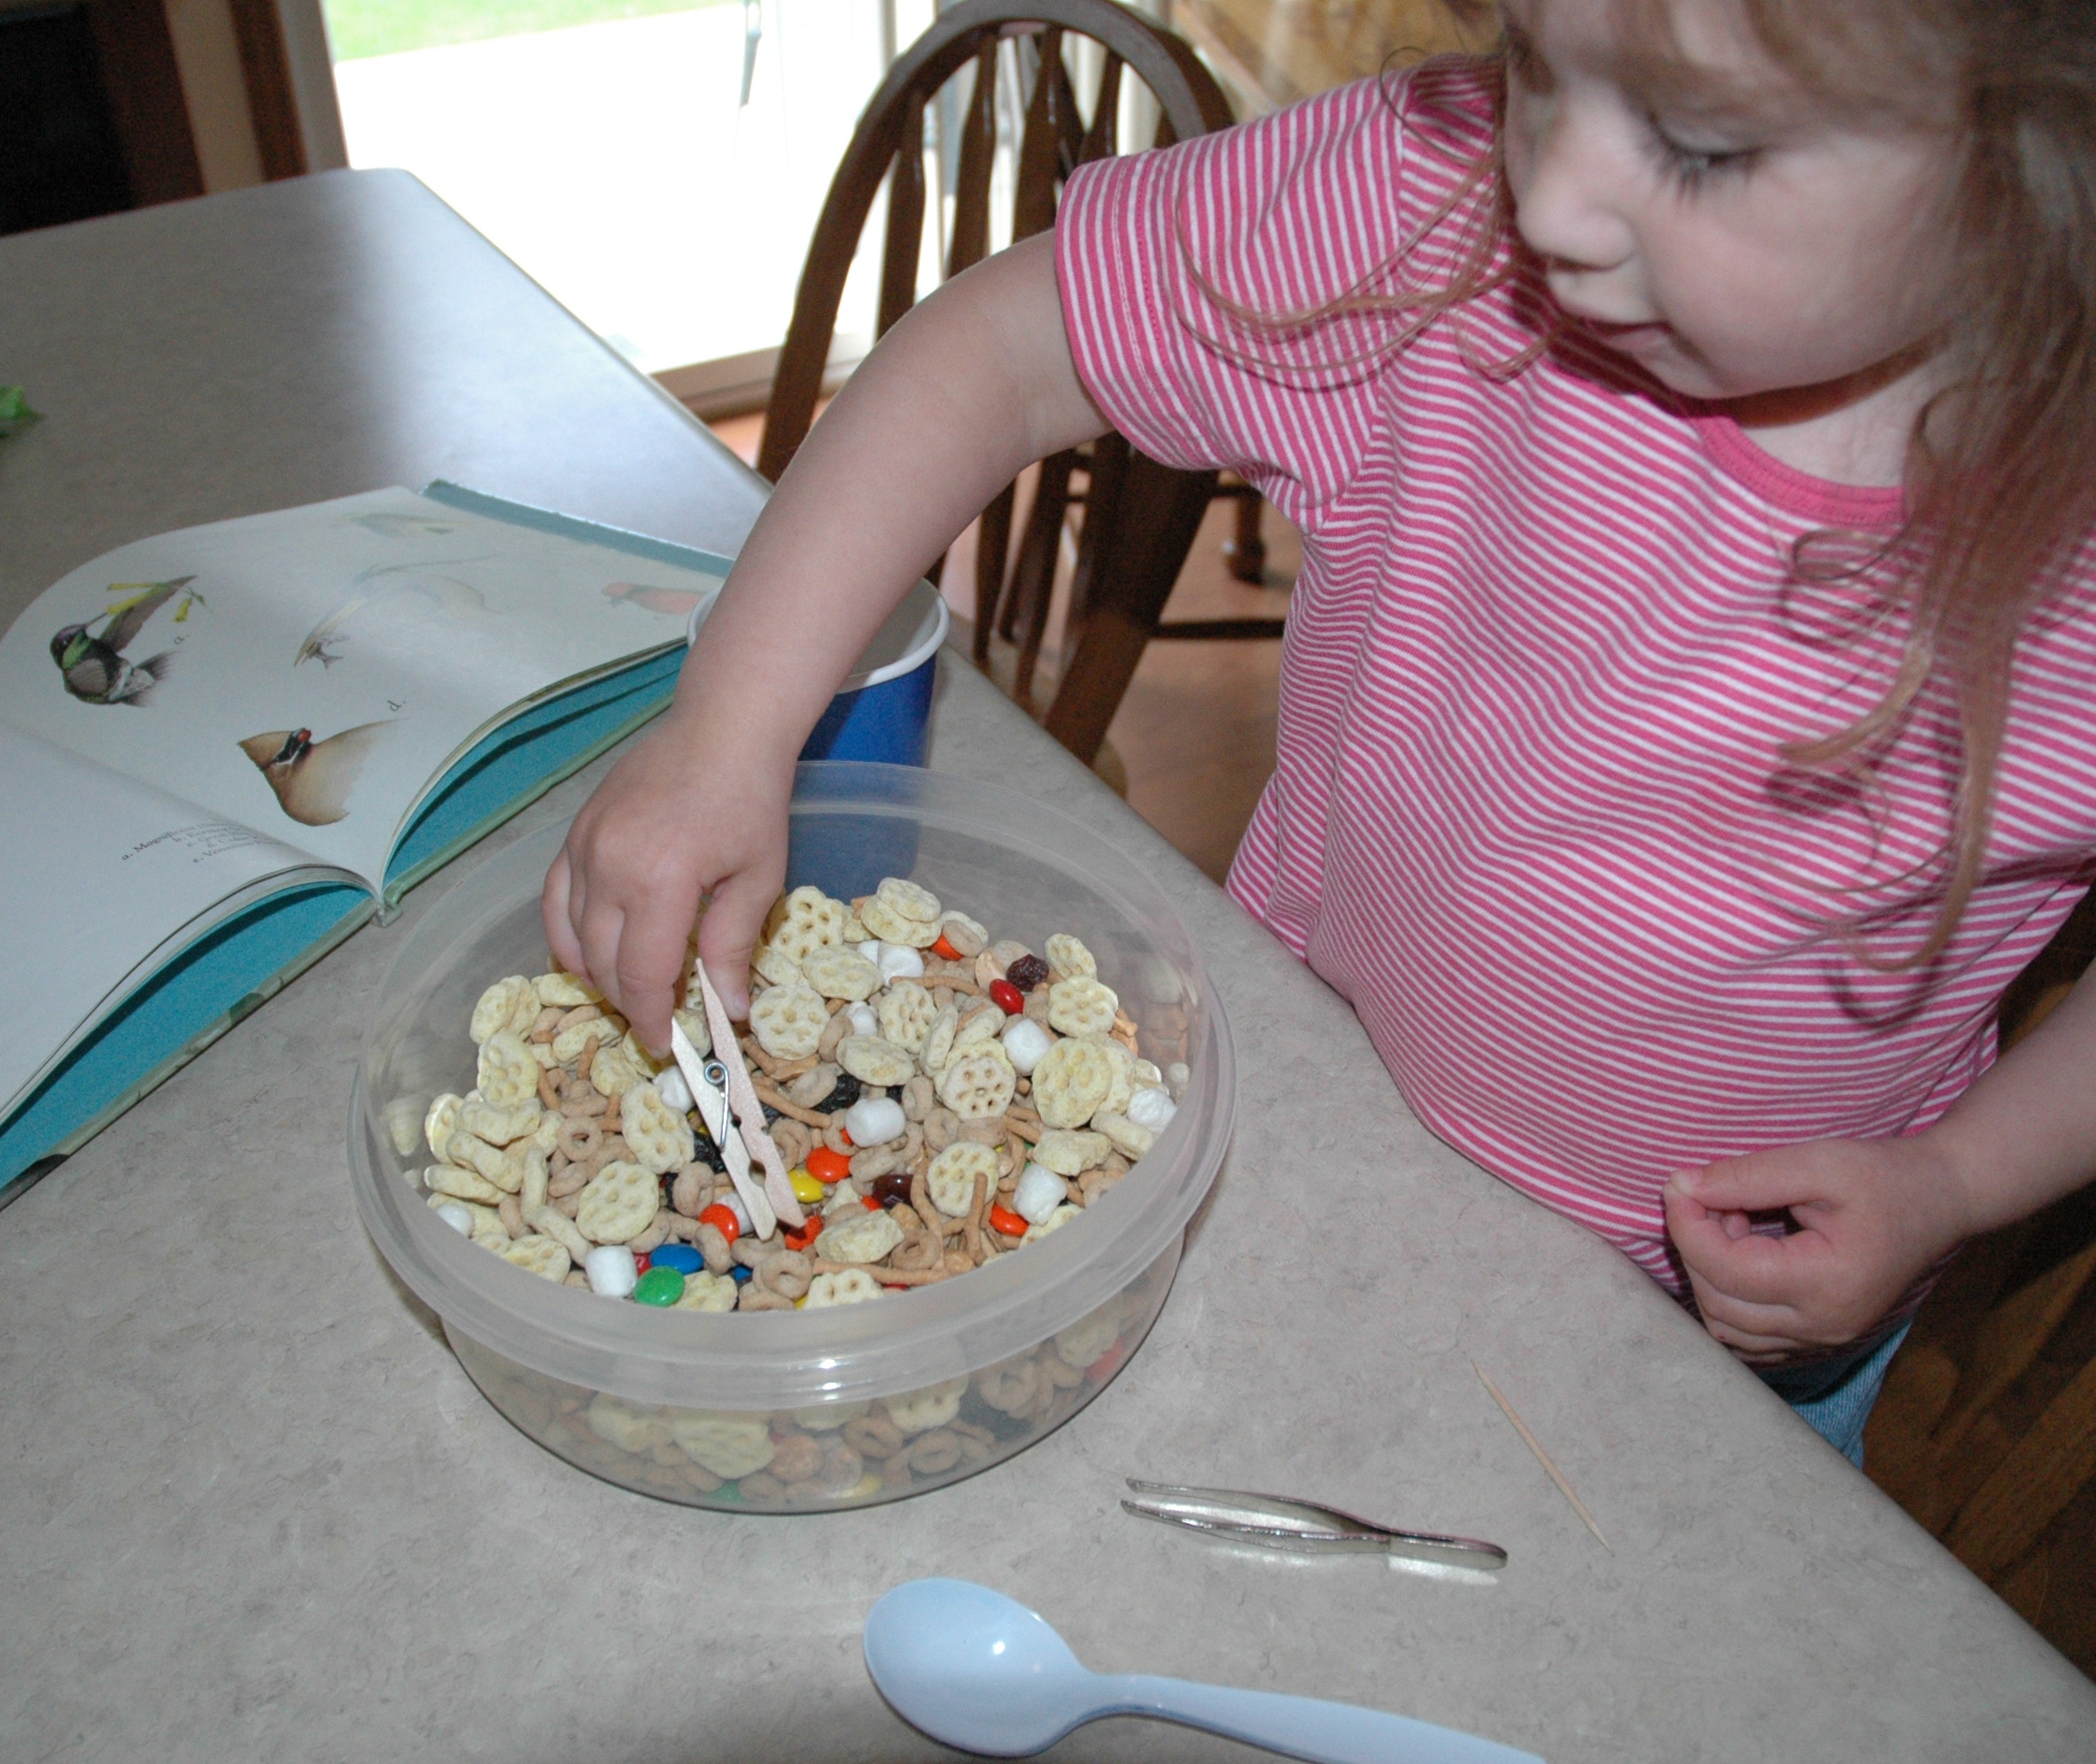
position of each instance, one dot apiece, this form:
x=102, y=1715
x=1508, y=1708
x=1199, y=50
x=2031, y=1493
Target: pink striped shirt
x=1530, y=814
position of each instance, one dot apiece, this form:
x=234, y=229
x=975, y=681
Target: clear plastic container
x=842, y=1407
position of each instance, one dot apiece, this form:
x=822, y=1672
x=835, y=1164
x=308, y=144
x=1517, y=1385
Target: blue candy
x=681, y=1256
x=740, y=1273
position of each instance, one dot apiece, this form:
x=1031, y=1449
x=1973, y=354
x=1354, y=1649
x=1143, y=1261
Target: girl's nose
x=1566, y=193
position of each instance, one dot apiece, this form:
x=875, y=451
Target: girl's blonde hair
x=2000, y=476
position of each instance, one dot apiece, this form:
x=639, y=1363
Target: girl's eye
x=1692, y=167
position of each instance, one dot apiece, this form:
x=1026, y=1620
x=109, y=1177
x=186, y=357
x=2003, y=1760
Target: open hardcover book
x=222, y=750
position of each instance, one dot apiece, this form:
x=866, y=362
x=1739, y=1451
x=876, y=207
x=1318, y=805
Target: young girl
x=1688, y=705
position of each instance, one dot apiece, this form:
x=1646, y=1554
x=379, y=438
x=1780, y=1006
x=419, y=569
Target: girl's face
x=1729, y=231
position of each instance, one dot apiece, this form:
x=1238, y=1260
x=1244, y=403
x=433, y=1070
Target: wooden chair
x=1140, y=517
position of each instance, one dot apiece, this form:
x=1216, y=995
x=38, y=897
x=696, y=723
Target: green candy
x=658, y=1286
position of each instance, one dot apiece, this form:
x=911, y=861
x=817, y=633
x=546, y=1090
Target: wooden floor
x=1986, y=1431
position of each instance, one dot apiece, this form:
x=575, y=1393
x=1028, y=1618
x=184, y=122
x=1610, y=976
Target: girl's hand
x=677, y=820
x=1871, y=1215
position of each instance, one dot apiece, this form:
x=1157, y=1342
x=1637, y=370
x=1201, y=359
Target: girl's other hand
x=675, y=821
x=1871, y=1216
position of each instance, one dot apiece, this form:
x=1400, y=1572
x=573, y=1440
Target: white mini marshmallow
x=1151, y=1107
x=1025, y=1042
x=863, y=1019
x=732, y=1201
x=871, y=950
x=612, y=1270
x=875, y=1120
x=899, y=961
x=669, y=1084
x=1038, y=1194
x=457, y=1216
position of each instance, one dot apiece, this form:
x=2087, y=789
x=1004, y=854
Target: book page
x=307, y=672
x=101, y=876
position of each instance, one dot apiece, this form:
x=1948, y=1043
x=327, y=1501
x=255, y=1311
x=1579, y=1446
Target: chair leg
x=993, y=539
x=1033, y=578
x=1245, y=553
x=1160, y=511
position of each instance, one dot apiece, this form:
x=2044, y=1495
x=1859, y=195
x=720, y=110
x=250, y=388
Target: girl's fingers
x=1763, y=1183
x=553, y=914
x=728, y=932
x=649, y=960
x=1751, y=1267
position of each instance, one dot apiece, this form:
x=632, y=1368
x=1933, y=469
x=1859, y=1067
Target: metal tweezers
x=1277, y=1523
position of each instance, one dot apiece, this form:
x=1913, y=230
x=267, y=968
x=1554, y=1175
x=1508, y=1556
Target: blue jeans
x=1835, y=1396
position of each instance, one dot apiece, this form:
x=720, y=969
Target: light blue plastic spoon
x=979, y=1671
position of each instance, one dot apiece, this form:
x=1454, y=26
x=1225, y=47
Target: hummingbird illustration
x=313, y=778
x=93, y=664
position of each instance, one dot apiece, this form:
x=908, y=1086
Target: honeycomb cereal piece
x=773, y=966
x=1124, y=1087
x=839, y=973
x=851, y=1287
x=618, y=1203
x=803, y=921
x=1071, y=1153
x=883, y=922
x=938, y=1042
x=919, y=1412
x=1131, y=1139
x=501, y=1126
x=859, y=1236
x=660, y=1137
x=441, y=1121
x=569, y=1044
x=508, y=1073
x=706, y=1292
x=906, y=1014
x=1054, y=1221
x=1070, y=959
x=493, y=1163
x=547, y=1135
x=403, y=1123
x=874, y=1059
x=695, y=1030
x=1085, y=1341
x=950, y=1179
x=828, y=1416
x=511, y=1004
x=615, y=1071
x=1071, y=1082
x=565, y=991
x=911, y=901
x=985, y=1022
x=730, y=1446
x=788, y=1021
x=621, y=1425
x=1081, y=1006
x=539, y=1255
x=968, y=938
x=979, y=1084
x=456, y=1183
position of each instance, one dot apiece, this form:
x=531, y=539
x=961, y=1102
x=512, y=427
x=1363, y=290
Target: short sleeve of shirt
x=1181, y=271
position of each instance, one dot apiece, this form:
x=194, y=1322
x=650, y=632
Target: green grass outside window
x=360, y=28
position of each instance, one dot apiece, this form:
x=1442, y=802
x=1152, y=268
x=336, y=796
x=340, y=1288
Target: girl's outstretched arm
x=1875, y=1213
x=971, y=385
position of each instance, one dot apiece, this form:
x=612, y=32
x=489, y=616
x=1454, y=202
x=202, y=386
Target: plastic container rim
x=849, y=1353
x=918, y=625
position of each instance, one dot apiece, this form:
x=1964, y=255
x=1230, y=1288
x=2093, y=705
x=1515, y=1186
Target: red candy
x=828, y=1166
x=641, y=1260
x=810, y=1229
x=1005, y=1223
x=723, y=1220
x=1006, y=997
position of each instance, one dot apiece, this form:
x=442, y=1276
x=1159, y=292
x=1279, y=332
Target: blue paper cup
x=881, y=713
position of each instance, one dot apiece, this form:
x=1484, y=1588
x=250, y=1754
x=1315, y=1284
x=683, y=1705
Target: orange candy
x=1005, y=1223
x=945, y=951
x=723, y=1220
x=826, y=1166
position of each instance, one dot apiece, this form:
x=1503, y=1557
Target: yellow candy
x=805, y=1188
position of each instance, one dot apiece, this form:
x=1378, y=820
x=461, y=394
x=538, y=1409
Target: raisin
x=846, y=1093
x=1026, y=972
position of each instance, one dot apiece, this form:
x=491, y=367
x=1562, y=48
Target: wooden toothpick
x=1543, y=1457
